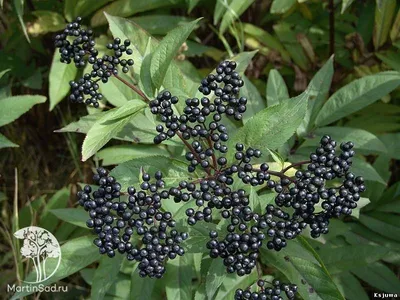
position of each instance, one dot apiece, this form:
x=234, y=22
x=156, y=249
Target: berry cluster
x=115, y=222
x=200, y=126
x=82, y=51
x=268, y=293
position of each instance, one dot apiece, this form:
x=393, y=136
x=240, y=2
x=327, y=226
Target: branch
x=295, y=165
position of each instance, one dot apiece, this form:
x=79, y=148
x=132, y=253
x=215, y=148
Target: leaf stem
x=295, y=165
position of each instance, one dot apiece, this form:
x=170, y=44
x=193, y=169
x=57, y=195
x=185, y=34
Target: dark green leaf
x=105, y=275
x=179, y=278
x=379, y=276
x=74, y=216
x=141, y=288
x=350, y=286
x=215, y=276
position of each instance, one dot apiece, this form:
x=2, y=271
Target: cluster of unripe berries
x=83, y=51
x=201, y=129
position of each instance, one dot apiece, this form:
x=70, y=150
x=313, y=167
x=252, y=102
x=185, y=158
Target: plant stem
x=295, y=165
x=213, y=155
x=133, y=87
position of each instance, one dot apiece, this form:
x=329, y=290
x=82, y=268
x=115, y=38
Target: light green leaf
x=145, y=76
x=273, y=126
x=232, y=282
x=173, y=170
x=235, y=9
x=366, y=170
x=2, y=73
x=116, y=92
x=60, y=76
x=255, y=103
x=73, y=216
x=179, y=275
x=109, y=126
x=363, y=140
x=340, y=259
x=58, y=200
x=281, y=6
x=126, y=8
x=167, y=49
x=6, y=143
x=383, y=22
x=356, y=95
x=115, y=155
x=390, y=58
x=105, y=275
x=12, y=108
x=360, y=204
x=76, y=254
x=47, y=21
x=346, y=4
x=215, y=276
x=276, y=88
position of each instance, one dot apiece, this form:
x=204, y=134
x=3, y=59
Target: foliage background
x=294, y=40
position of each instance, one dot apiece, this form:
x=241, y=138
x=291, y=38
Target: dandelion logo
x=42, y=248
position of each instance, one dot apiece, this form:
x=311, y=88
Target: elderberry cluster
x=115, y=222
x=82, y=51
x=268, y=293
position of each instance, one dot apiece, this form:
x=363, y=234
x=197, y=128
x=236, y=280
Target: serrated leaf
x=256, y=103
x=350, y=286
x=105, y=275
x=215, y=276
x=109, y=126
x=12, y=108
x=166, y=50
x=276, y=88
x=73, y=216
x=356, y=95
x=273, y=126
x=6, y=143
x=76, y=255
x=60, y=76
x=141, y=288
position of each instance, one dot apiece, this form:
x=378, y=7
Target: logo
x=41, y=251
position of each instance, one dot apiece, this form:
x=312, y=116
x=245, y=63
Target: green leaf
x=383, y=22
x=233, y=12
x=105, y=275
x=47, y=21
x=6, y=143
x=167, y=49
x=145, y=76
x=392, y=143
x=126, y=8
x=75, y=216
x=19, y=9
x=58, y=200
x=276, y=88
x=363, y=140
x=76, y=254
x=256, y=103
x=215, y=276
x=141, y=288
x=12, y=108
x=319, y=90
x=350, y=286
x=340, y=259
x=303, y=269
x=108, y=127
x=365, y=169
x=173, y=170
x=380, y=223
x=2, y=73
x=179, y=278
x=116, y=92
x=390, y=58
x=115, y=155
x=273, y=126
x=160, y=24
x=82, y=8
x=379, y=276
x=232, y=282
x=356, y=95
x=281, y=6
x=60, y=76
